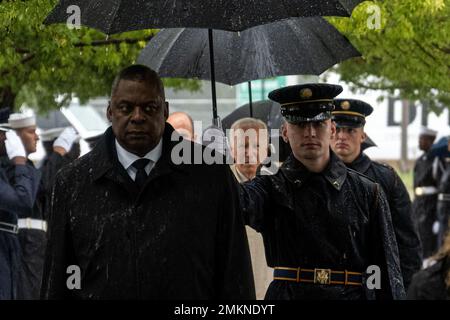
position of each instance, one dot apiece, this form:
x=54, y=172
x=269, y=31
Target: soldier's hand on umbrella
x=214, y=138
x=14, y=148
x=65, y=141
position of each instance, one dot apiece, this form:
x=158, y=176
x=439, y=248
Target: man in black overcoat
x=134, y=222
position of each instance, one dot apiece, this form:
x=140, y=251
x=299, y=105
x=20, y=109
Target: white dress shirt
x=127, y=158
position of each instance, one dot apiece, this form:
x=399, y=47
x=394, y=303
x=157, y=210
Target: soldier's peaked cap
x=306, y=102
x=351, y=113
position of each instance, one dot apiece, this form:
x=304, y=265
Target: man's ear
x=109, y=112
x=333, y=130
x=283, y=130
x=166, y=110
x=363, y=136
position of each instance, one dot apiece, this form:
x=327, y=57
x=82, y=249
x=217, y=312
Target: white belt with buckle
x=444, y=196
x=29, y=223
x=425, y=191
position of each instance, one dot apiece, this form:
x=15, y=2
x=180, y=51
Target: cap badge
x=306, y=93
x=345, y=105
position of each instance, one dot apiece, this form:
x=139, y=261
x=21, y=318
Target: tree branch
x=66, y=98
x=111, y=42
x=29, y=56
x=444, y=50
x=426, y=52
x=22, y=50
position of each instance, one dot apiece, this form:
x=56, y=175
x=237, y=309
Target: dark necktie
x=141, y=175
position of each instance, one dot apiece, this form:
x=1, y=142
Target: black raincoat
x=181, y=237
x=406, y=233
x=337, y=219
x=429, y=284
x=51, y=164
x=425, y=206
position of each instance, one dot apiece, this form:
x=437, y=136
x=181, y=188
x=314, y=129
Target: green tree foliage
x=408, y=55
x=39, y=64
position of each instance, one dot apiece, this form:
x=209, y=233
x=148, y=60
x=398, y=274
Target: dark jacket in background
x=406, y=233
x=443, y=205
x=429, y=284
x=425, y=206
x=181, y=237
x=337, y=219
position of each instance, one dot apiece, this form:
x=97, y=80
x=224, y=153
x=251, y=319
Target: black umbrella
x=116, y=16
x=265, y=110
x=288, y=47
x=119, y=16
x=292, y=46
x=269, y=112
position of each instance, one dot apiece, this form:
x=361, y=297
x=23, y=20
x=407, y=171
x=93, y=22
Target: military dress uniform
x=425, y=202
x=321, y=231
x=32, y=228
x=351, y=113
x=443, y=204
x=18, y=188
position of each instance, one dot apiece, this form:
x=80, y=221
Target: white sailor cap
x=4, y=127
x=424, y=131
x=50, y=134
x=21, y=120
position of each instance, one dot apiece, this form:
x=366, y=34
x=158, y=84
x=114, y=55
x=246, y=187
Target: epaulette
x=383, y=164
x=361, y=174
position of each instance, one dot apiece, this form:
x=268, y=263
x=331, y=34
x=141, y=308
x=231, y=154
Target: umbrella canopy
x=265, y=110
x=115, y=16
x=289, y=47
x=269, y=112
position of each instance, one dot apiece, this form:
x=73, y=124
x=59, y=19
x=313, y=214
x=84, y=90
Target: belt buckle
x=322, y=276
x=8, y=227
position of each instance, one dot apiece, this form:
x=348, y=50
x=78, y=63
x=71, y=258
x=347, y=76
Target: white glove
x=436, y=227
x=14, y=145
x=214, y=138
x=66, y=139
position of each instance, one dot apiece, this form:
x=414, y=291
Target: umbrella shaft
x=213, y=73
x=250, y=100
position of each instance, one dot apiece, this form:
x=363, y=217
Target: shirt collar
x=335, y=172
x=239, y=175
x=127, y=158
x=361, y=163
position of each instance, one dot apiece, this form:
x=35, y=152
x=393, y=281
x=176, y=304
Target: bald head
x=182, y=123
